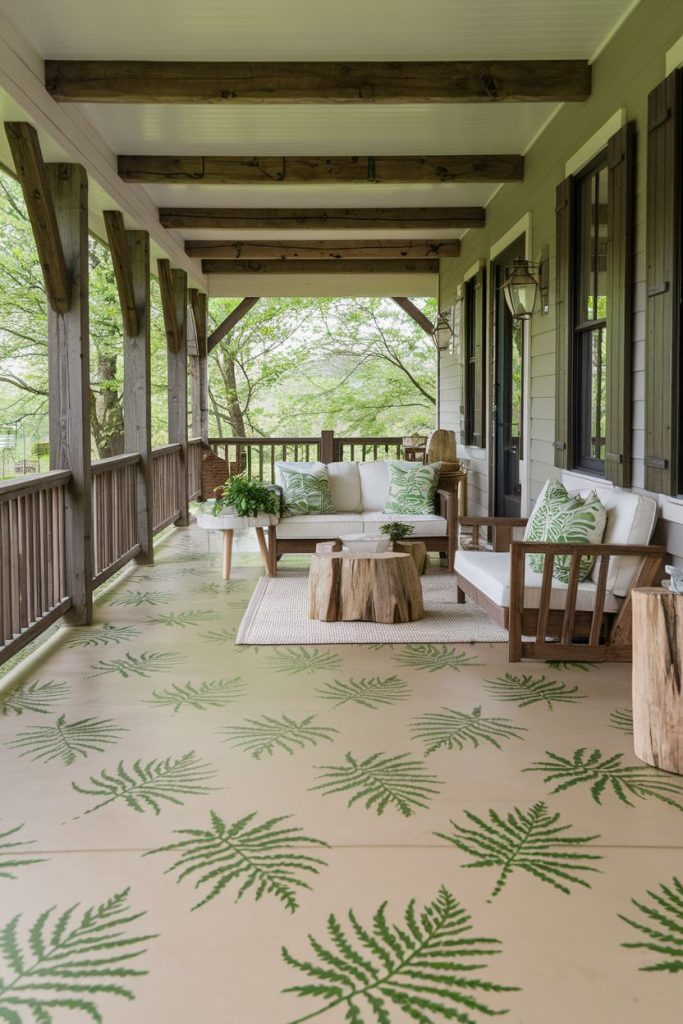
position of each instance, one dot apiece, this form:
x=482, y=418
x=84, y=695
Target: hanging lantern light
x=521, y=288
x=443, y=331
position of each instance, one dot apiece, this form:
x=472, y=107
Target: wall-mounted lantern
x=443, y=331
x=521, y=288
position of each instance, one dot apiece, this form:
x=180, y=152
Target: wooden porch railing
x=114, y=512
x=194, y=468
x=32, y=557
x=165, y=469
x=367, y=449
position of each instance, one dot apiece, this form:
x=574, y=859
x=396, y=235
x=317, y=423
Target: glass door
x=508, y=398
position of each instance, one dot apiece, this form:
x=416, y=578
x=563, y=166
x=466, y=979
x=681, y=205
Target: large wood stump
x=417, y=550
x=381, y=587
x=658, y=677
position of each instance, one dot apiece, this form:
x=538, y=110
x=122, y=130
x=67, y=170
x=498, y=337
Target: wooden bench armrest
x=535, y=547
x=501, y=526
x=492, y=521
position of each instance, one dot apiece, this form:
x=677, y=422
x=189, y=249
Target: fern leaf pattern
x=381, y=782
x=12, y=853
x=565, y=666
x=453, y=729
x=622, y=719
x=267, y=735
x=423, y=967
x=662, y=927
x=216, y=693
x=219, y=636
x=303, y=660
x=189, y=617
x=39, y=697
x=608, y=773
x=433, y=657
x=527, y=690
x=370, y=693
x=138, y=598
x=530, y=841
x=146, y=786
x=142, y=665
x=65, y=962
x=67, y=740
x=265, y=859
x=101, y=636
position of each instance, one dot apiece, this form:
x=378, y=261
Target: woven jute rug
x=278, y=614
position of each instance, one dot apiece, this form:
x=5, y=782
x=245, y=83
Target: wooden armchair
x=545, y=619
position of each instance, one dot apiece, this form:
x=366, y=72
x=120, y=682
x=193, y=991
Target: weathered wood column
x=130, y=259
x=199, y=367
x=658, y=677
x=173, y=286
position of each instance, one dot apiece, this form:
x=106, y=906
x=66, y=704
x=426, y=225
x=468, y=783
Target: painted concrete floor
x=196, y=831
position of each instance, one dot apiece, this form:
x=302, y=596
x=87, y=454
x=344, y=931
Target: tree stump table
x=381, y=587
x=417, y=550
x=658, y=677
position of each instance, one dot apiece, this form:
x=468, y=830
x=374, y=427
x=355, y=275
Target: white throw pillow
x=345, y=486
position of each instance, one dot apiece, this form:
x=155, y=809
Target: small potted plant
x=396, y=531
x=245, y=497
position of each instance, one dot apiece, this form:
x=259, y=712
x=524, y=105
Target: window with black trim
x=590, y=316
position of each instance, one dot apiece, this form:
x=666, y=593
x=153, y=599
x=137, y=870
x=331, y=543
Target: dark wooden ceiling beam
x=342, y=266
x=316, y=170
x=420, y=318
x=33, y=178
x=327, y=249
x=441, y=218
x=438, y=81
x=231, y=320
x=123, y=273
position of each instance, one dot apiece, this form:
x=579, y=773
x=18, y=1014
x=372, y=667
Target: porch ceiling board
x=258, y=268
x=298, y=222
x=287, y=285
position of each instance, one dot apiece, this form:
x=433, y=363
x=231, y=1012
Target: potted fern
x=396, y=531
x=245, y=497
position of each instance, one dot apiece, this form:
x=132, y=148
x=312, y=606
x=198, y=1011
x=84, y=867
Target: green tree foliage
x=424, y=967
x=264, y=859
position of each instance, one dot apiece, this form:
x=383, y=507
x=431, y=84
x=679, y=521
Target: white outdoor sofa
x=359, y=492
x=546, y=619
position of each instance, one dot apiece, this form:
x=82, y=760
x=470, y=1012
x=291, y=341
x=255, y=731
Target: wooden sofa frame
x=446, y=546
x=581, y=635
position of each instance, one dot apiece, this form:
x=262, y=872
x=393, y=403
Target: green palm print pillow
x=563, y=518
x=306, y=488
x=412, y=487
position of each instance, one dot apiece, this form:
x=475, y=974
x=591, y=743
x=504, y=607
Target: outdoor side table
x=229, y=523
x=658, y=677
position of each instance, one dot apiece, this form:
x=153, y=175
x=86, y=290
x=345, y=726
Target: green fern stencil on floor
x=101, y=636
x=530, y=841
x=216, y=693
x=146, y=786
x=565, y=666
x=381, y=782
x=424, y=966
x=62, y=962
x=433, y=657
x=296, y=660
x=527, y=690
x=267, y=735
x=662, y=927
x=370, y=693
x=38, y=697
x=67, y=740
x=264, y=859
x=12, y=853
x=622, y=719
x=142, y=665
x=138, y=598
x=219, y=636
x=190, y=617
x=609, y=773
x=452, y=730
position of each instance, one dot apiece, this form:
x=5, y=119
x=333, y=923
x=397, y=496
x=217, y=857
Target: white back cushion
x=374, y=485
x=631, y=519
x=345, y=486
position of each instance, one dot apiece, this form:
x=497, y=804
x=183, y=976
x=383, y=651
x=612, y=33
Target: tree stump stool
x=658, y=677
x=417, y=550
x=381, y=587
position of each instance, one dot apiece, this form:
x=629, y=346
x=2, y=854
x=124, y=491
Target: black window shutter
x=479, y=375
x=620, y=202
x=663, y=286
x=564, y=320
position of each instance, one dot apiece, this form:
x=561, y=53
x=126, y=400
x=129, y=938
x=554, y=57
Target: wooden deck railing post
x=199, y=367
x=327, y=453
x=174, y=300
x=69, y=377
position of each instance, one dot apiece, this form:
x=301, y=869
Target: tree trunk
x=105, y=407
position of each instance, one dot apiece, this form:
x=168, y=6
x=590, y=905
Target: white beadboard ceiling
x=290, y=30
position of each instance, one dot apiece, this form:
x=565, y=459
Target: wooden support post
x=137, y=411
x=69, y=377
x=199, y=367
x=174, y=299
x=327, y=446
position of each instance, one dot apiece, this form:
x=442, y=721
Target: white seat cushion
x=425, y=526
x=345, y=486
x=318, y=527
x=374, y=485
x=489, y=572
